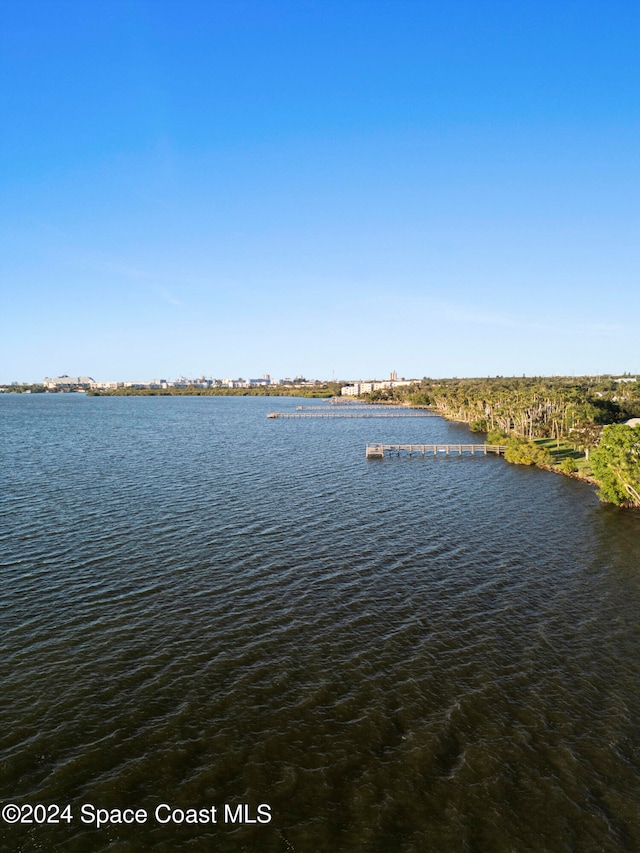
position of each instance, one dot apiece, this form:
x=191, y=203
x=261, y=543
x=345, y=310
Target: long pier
x=379, y=451
x=377, y=407
x=411, y=413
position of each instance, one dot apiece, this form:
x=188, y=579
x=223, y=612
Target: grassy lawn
x=564, y=451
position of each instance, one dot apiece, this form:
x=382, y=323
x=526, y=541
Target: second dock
x=379, y=451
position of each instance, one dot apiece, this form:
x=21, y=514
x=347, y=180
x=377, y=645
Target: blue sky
x=319, y=188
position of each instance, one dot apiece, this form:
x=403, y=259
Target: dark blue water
x=201, y=607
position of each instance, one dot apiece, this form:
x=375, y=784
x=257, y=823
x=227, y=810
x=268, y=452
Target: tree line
x=319, y=391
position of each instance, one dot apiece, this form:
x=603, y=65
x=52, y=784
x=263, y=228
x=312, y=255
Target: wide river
x=245, y=623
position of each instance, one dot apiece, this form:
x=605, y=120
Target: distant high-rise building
x=393, y=377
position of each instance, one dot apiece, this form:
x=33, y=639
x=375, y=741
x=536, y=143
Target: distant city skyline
x=326, y=189
x=65, y=380
x=361, y=384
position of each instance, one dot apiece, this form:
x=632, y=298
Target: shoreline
x=575, y=475
x=553, y=469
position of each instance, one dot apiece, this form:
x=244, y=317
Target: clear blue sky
x=319, y=188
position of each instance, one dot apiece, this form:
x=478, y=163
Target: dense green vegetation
x=555, y=422
x=616, y=464
x=318, y=391
x=532, y=407
x=22, y=389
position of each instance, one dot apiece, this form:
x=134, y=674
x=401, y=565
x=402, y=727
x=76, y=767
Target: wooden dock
x=405, y=413
x=377, y=407
x=379, y=451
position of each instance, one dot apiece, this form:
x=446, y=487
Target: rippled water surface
x=203, y=607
